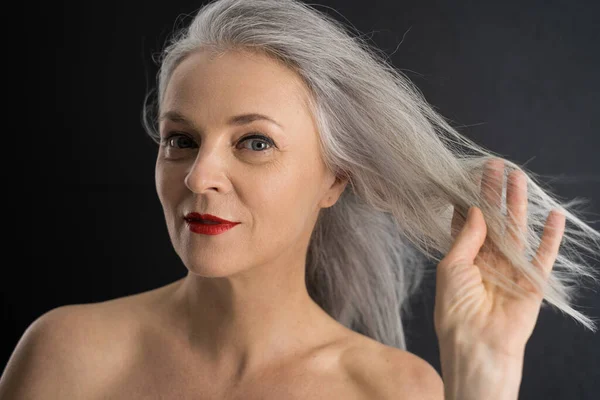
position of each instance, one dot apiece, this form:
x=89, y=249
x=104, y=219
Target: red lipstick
x=208, y=224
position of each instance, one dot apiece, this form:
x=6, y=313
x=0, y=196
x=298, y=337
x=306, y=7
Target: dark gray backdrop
x=83, y=220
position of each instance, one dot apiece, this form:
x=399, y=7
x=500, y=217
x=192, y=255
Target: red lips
x=193, y=216
x=198, y=223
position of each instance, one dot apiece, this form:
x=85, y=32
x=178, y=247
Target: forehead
x=230, y=82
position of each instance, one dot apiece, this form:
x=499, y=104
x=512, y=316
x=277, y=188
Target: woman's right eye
x=173, y=139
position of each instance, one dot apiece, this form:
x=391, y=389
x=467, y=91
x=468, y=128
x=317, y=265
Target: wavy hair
x=407, y=168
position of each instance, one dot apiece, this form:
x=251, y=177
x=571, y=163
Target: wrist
x=471, y=370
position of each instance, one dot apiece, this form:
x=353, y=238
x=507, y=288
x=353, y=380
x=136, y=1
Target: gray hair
x=407, y=169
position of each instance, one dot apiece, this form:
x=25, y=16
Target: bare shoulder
x=71, y=351
x=385, y=372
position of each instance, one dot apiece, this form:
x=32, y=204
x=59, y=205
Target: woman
x=336, y=177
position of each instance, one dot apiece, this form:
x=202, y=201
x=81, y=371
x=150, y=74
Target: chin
x=211, y=268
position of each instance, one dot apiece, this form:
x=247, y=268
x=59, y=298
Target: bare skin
x=163, y=364
x=132, y=348
x=241, y=324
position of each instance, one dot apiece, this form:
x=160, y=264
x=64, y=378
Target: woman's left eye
x=260, y=139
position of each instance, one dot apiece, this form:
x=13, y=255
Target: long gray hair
x=407, y=169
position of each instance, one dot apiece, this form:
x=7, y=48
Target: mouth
x=200, y=221
x=207, y=219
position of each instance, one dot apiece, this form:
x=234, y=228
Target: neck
x=256, y=318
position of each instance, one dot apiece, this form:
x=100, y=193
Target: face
x=268, y=176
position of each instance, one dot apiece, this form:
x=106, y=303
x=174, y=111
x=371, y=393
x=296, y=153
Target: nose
x=207, y=172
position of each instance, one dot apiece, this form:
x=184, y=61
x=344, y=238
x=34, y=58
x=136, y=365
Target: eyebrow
x=235, y=120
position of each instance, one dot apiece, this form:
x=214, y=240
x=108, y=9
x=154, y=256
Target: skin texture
x=244, y=301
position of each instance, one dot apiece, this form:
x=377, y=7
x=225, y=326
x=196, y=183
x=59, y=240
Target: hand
x=468, y=308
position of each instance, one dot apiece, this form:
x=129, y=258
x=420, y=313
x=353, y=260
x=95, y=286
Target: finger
x=492, y=182
x=491, y=187
x=459, y=216
x=516, y=203
x=550, y=242
x=469, y=240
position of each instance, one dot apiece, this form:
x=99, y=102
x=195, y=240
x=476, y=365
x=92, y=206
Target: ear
x=334, y=192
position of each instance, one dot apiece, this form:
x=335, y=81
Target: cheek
x=282, y=201
x=161, y=184
x=169, y=185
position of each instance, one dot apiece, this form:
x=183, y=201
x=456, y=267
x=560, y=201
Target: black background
x=82, y=219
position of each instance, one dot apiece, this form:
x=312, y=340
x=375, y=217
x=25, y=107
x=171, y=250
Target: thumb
x=468, y=242
x=457, y=272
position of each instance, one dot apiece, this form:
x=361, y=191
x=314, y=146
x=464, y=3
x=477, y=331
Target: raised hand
x=473, y=313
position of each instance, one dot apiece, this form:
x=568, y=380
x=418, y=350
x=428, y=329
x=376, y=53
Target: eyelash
x=253, y=135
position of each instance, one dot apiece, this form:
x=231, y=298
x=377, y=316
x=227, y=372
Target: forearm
x=472, y=372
